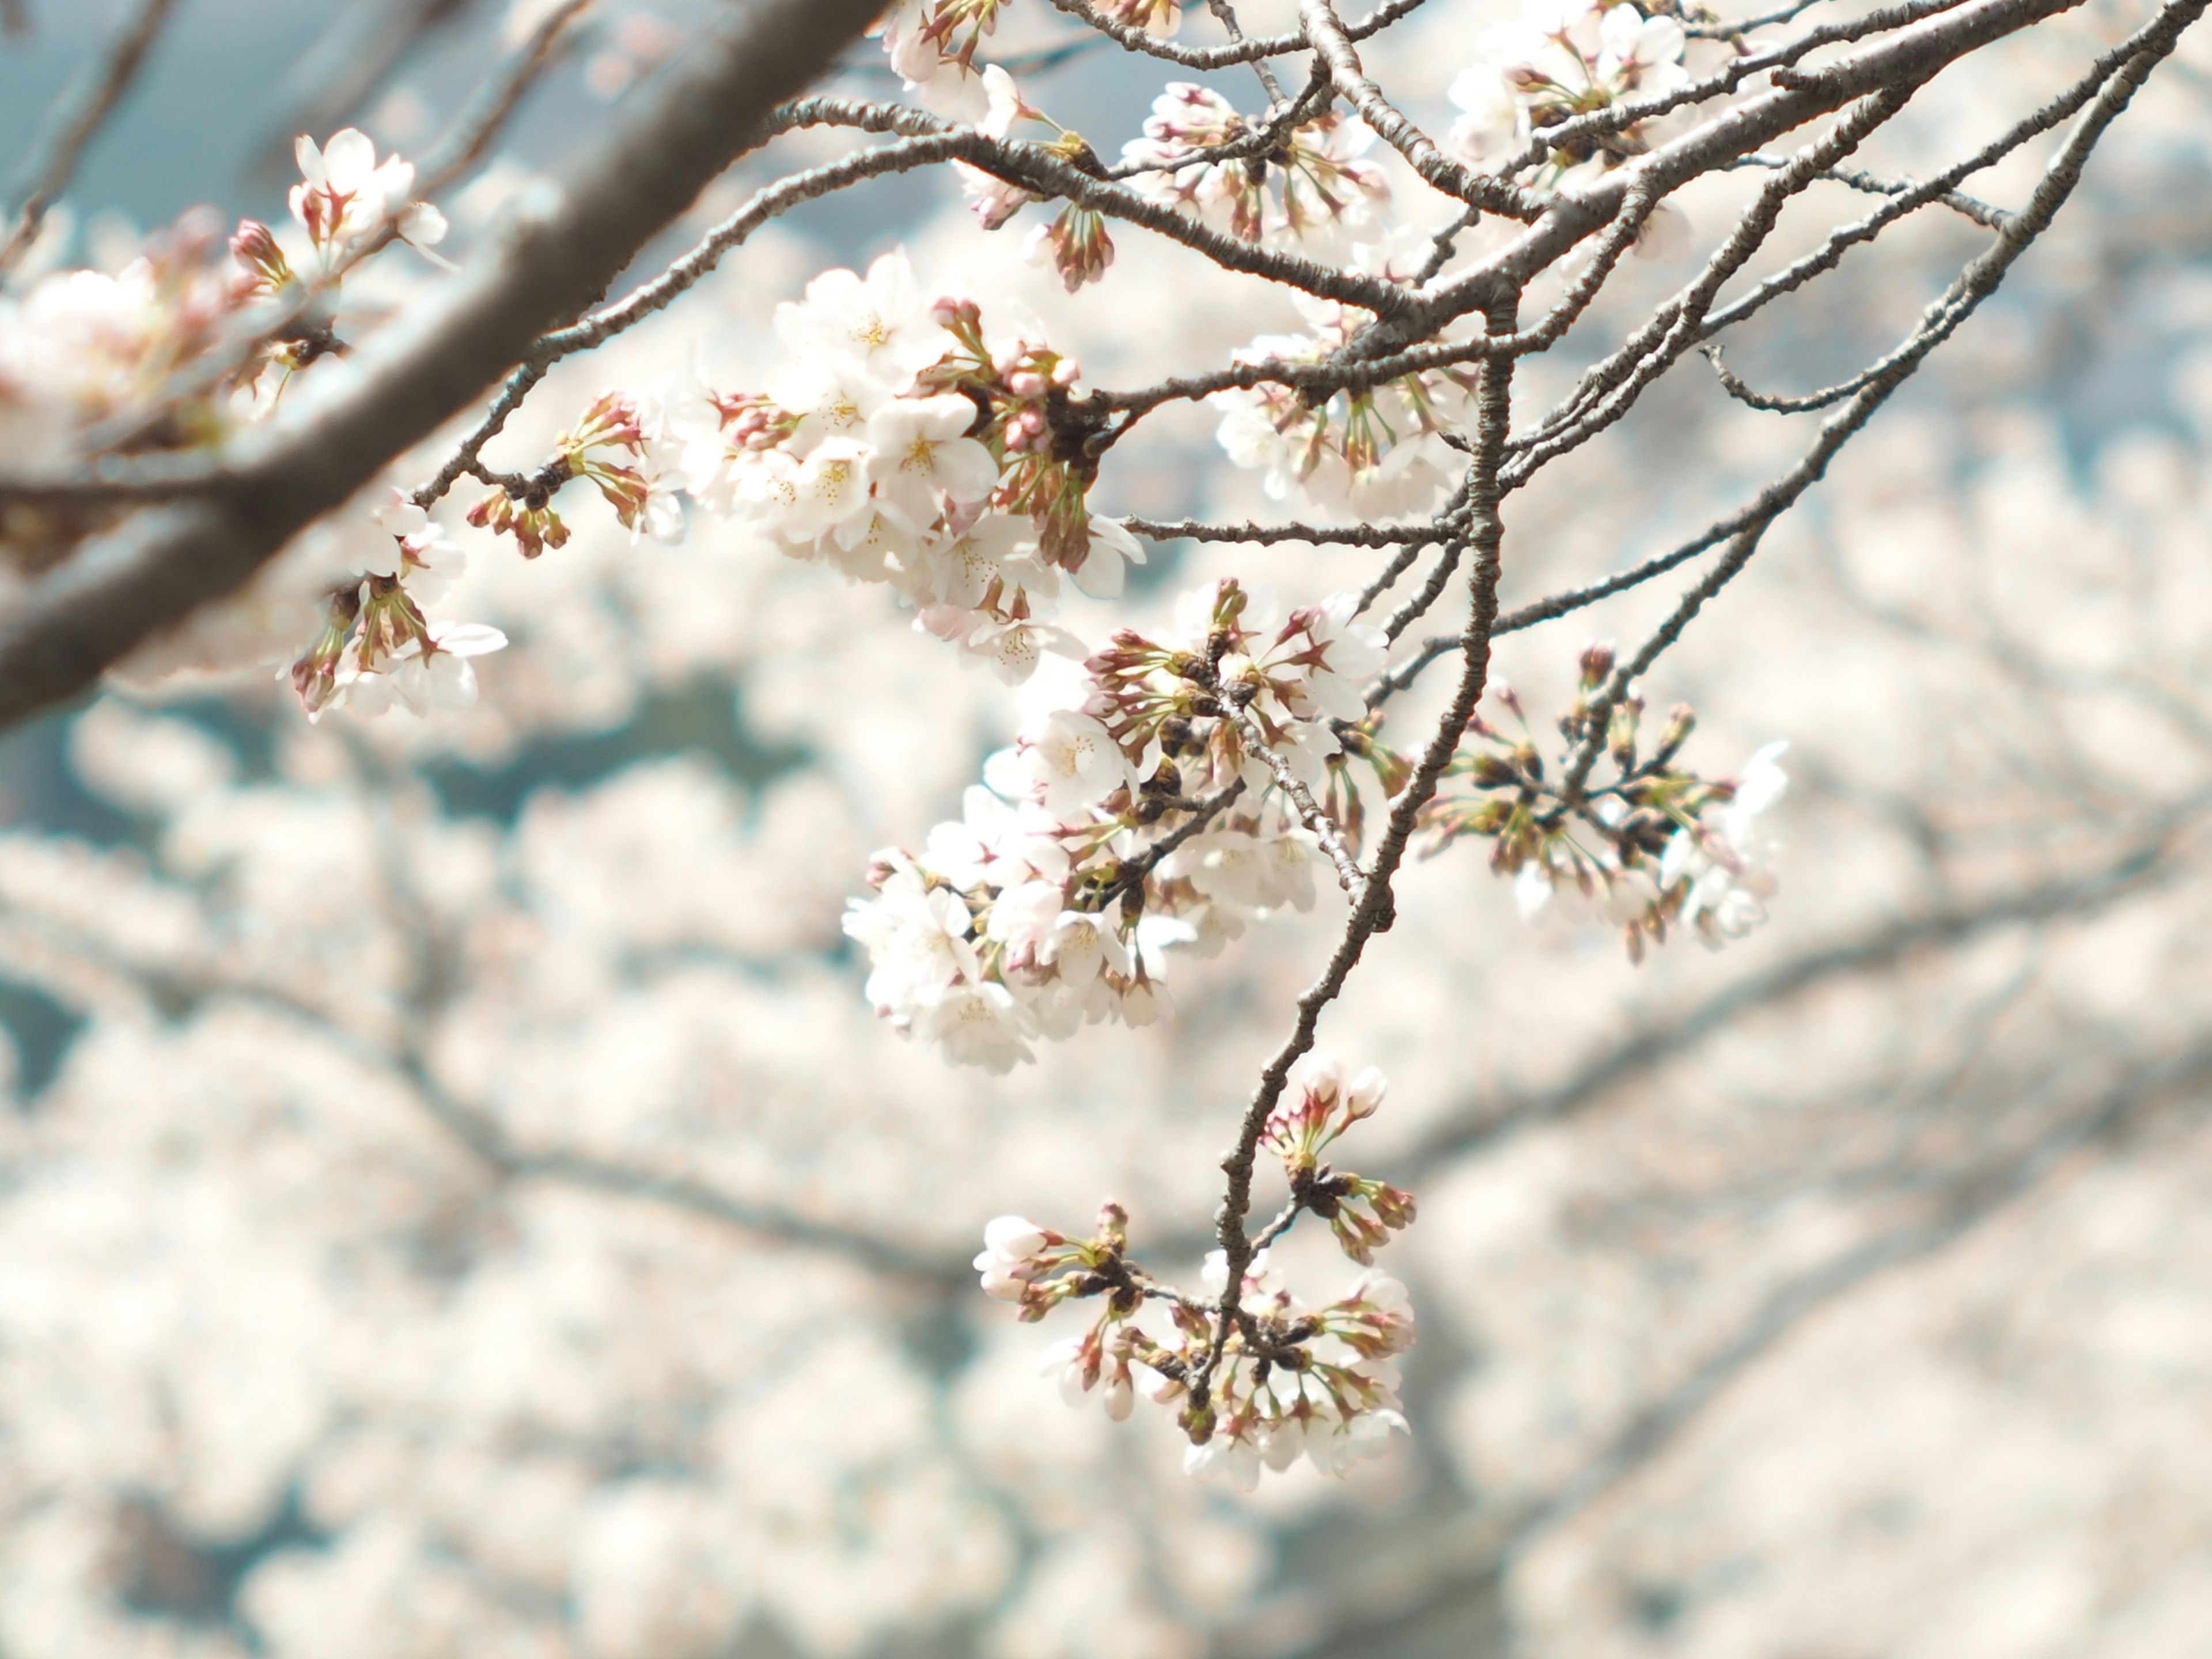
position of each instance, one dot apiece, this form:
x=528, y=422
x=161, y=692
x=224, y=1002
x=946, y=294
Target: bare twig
x=82, y=110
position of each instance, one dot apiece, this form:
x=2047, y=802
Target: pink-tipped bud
x=1596, y=662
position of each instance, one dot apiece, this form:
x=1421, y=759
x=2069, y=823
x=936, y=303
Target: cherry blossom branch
x=1461, y=183
x=1323, y=535
x=1044, y=172
x=1753, y=228
x=1630, y=112
x=599, y=327
x=1318, y=824
x=1264, y=138
x=1376, y=910
x=1251, y=49
x=1968, y=206
x=1975, y=285
x=80, y=112
x=1400, y=563
x=1225, y=15
x=1901, y=63
x=65, y=628
x=1605, y=376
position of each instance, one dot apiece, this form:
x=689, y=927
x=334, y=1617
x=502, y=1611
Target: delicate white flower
x=996, y=845
x=917, y=940
x=1112, y=548
x=1010, y=1261
x=958, y=570
x=1237, y=1458
x=1003, y=103
x=1067, y=760
x=881, y=322
x=422, y=556
x=1236, y=867
x=919, y=450
x=1365, y=1436
x=346, y=194
x=990, y=199
x=1081, y=945
x=833, y=397
x=830, y=490
x=1345, y=653
x=1725, y=860
x=975, y=1024
x=1013, y=649
x=1021, y=918
x=1305, y=749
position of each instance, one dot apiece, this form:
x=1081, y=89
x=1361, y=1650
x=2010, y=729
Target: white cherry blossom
x=881, y=322
x=919, y=450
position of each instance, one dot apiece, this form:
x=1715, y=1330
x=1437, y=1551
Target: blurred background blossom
x=455, y=1199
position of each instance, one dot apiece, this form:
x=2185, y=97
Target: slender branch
x=1324, y=535
x=1455, y=179
x=1324, y=829
x=1376, y=910
x=1867, y=183
x=82, y=110
x=1974, y=284
x=1251, y=49
x=487, y=112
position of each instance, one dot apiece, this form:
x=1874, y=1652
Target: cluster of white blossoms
x=1656, y=847
x=1109, y=834
x=1286, y=1380
x=1365, y=453
x=1560, y=59
x=1313, y=189
x=903, y=447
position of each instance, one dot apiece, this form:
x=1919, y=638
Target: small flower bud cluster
x=1559, y=59
x=1319, y=1104
x=1057, y=898
x=1256, y=1380
x=1367, y=452
x=611, y=448
x=376, y=647
x=1313, y=189
x=1656, y=847
x=1075, y=243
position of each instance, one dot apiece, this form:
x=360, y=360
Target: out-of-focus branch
x=1356, y=1618
x=336, y=76
x=487, y=112
x=80, y=114
x=1476, y=1126
x=64, y=630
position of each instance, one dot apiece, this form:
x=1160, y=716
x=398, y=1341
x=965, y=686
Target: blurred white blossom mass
x=458, y=1196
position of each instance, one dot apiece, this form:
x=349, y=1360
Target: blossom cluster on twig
x=1261, y=1380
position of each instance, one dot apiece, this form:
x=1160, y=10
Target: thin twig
x=82, y=110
